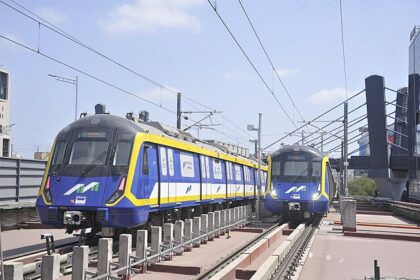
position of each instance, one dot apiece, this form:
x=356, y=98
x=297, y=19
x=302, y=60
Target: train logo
x=82, y=188
x=296, y=189
x=188, y=189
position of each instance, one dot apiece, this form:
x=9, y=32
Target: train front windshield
x=296, y=167
x=92, y=153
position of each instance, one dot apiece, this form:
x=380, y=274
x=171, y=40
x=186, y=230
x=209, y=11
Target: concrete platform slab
x=335, y=256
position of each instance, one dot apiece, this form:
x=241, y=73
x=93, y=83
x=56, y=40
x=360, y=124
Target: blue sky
x=183, y=45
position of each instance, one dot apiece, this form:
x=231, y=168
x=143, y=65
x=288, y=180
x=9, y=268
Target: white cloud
x=329, y=95
x=51, y=15
x=287, y=72
x=146, y=16
x=158, y=95
x=235, y=75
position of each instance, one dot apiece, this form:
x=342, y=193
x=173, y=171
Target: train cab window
x=122, y=152
x=89, y=148
x=296, y=168
x=316, y=168
x=145, y=164
x=59, y=151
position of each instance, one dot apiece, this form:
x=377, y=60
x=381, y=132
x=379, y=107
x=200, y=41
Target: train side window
x=187, y=165
x=145, y=165
x=60, y=149
x=217, y=169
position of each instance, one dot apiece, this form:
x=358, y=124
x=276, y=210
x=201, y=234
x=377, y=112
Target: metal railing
x=20, y=179
x=172, y=250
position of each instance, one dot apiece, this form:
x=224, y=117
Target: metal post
x=341, y=169
x=345, y=149
x=178, y=110
x=259, y=167
x=303, y=137
x=1, y=251
x=77, y=93
x=18, y=180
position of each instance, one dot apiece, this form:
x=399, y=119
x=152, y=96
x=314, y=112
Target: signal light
x=118, y=192
x=47, y=190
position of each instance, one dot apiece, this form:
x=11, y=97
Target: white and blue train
x=111, y=172
x=301, y=182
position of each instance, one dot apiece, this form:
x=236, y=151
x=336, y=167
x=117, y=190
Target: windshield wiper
x=92, y=164
x=300, y=175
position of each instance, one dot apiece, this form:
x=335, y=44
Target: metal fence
x=20, y=179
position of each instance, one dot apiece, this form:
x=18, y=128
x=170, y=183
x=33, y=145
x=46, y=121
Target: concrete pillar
x=217, y=223
x=196, y=231
x=141, y=247
x=188, y=233
x=179, y=236
x=104, y=256
x=168, y=239
x=50, y=267
x=204, y=227
x=124, y=252
x=348, y=214
x=231, y=217
x=211, y=227
x=249, y=212
x=13, y=271
x=222, y=221
x=80, y=261
x=156, y=241
x=141, y=244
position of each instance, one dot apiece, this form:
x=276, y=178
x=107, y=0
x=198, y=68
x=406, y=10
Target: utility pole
x=345, y=149
x=250, y=127
x=178, y=110
x=74, y=82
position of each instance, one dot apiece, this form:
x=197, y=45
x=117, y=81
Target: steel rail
x=292, y=258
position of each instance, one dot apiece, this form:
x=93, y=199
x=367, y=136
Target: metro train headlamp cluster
x=118, y=192
x=318, y=192
x=273, y=192
x=47, y=191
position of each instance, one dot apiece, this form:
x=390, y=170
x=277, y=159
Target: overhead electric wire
x=85, y=73
x=250, y=62
x=107, y=83
x=269, y=59
x=68, y=36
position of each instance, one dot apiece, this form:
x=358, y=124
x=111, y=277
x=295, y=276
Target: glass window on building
x=3, y=85
x=6, y=144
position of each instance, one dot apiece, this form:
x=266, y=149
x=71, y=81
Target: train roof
x=137, y=126
x=298, y=148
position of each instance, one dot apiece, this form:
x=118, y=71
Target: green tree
x=363, y=186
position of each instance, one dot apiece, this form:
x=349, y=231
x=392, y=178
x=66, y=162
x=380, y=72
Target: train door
x=205, y=178
x=164, y=194
x=149, y=182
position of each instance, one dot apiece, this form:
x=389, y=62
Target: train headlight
x=316, y=195
x=118, y=192
x=273, y=192
x=47, y=191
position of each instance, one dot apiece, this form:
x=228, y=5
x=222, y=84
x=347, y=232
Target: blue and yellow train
x=111, y=172
x=301, y=182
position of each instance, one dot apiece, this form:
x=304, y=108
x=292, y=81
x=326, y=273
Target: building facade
x=5, y=142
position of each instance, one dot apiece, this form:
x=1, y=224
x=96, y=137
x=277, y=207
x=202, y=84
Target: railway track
x=292, y=258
